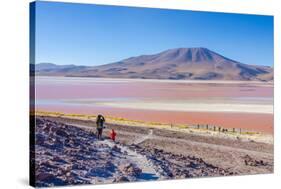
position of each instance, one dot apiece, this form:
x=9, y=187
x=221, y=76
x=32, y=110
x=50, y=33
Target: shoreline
x=161, y=80
x=202, y=130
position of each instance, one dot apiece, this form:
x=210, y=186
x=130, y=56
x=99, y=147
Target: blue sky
x=83, y=34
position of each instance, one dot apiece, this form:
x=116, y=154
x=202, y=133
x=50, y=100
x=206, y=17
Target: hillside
x=179, y=64
x=71, y=155
x=68, y=153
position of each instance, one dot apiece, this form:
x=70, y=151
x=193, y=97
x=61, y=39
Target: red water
x=68, y=89
x=149, y=90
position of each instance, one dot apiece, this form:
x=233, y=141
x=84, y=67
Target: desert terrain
x=67, y=152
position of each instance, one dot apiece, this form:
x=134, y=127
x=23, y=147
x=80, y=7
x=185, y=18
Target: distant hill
x=179, y=64
x=53, y=69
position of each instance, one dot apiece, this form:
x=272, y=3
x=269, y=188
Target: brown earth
x=233, y=155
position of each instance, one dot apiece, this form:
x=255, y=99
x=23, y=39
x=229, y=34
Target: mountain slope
x=179, y=63
x=53, y=69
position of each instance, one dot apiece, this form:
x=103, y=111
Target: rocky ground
x=67, y=152
x=67, y=155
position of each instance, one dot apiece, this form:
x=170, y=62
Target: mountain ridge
x=179, y=63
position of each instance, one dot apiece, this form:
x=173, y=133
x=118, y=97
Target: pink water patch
x=152, y=90
x=255, y=122
x=105, y=90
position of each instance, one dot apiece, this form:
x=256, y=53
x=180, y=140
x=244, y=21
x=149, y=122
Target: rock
x=39, y=122
x=58, y=145
x=200, y=160
x=40, y=139
x=48, y=164
x=48, y=153
x=116, y=149
x=186, y=174
x=121, y=179
x=193, y=165
x=47, y=128
x=66, y=169
x=78, y=166
x=62, y=133
x=249, y=161
x=130, y=169
x=109, y=166
x=44, y=176
x=54, y=129
x=59, y=159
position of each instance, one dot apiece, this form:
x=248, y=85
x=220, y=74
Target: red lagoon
x=87, y=96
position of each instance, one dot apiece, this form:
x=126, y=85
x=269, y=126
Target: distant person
x=100, y=125
x=112, y=135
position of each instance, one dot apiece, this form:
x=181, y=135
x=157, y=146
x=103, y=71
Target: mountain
x=179, y=63
x=53, y=69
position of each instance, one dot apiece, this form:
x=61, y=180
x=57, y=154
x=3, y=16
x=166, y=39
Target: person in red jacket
x=113, y=135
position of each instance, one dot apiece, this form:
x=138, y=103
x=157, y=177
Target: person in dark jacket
x=100, y=125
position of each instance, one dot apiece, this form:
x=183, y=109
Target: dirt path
x=148, y=172
x=144, y=137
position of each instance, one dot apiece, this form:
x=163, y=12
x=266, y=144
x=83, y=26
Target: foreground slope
x=69, y=153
